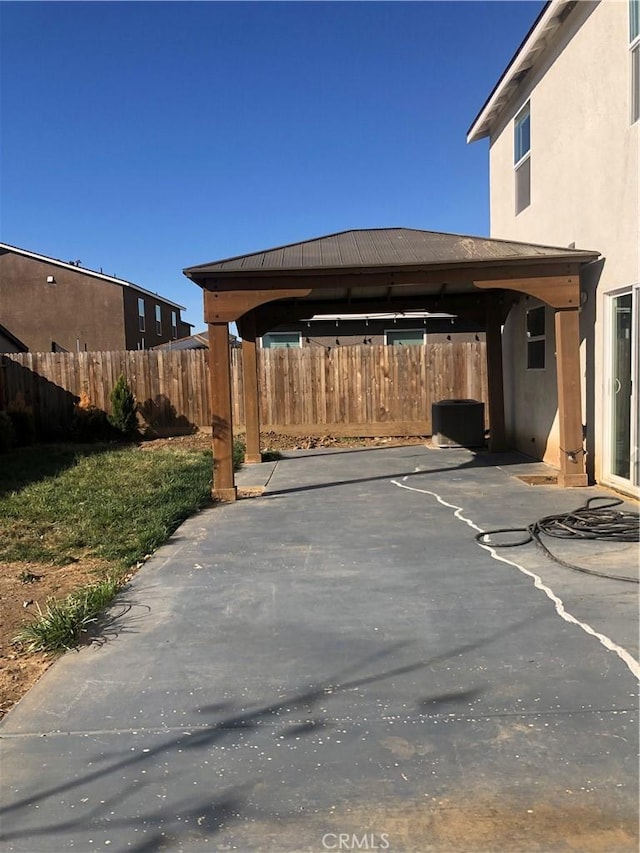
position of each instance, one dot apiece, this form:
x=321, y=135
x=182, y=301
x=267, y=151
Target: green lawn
x=59, y=503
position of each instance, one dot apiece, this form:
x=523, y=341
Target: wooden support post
x=572, y=461
x=495, y=380
x=250, y=382
x=224, y=488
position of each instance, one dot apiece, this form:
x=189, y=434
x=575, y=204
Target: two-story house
x=562, y=123
x=52, y=305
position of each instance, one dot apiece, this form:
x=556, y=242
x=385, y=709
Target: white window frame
x=402, y=332
x=174, y=325
x=532, y=339
x=634, y=63
x=288, y=346
x=158, y=318
x=141, y=314
x=525, y=159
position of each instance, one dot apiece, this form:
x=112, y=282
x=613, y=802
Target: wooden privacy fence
x=350, y=390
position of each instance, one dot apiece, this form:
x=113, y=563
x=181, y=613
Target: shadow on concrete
x=202, y=817
x=479, y=460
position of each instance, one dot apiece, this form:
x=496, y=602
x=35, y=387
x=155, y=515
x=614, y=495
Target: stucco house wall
x=584, y=192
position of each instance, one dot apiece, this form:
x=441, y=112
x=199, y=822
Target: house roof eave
x=544, y=27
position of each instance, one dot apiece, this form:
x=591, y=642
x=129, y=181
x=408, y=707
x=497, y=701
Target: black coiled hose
x=586, y=522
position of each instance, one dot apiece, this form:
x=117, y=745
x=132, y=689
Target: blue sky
x=142, y=138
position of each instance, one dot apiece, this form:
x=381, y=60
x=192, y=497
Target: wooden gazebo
x=385, y=270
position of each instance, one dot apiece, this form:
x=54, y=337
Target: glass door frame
x=631, y=485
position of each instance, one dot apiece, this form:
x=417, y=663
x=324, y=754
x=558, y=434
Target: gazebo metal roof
x=385, y=248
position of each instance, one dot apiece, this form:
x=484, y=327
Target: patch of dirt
x=538, y=479
x=22, y=587
x=272, y=441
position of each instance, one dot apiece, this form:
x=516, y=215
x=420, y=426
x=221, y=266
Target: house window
x=404, y=337
x=158, y=320
x=522, y=158
x=536, y=338
x=634, y=44
x=281, y=340
x=634, y=20
x=174, y=325
x=141, y=327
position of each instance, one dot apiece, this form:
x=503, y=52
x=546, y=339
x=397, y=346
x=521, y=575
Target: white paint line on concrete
x=628, y=659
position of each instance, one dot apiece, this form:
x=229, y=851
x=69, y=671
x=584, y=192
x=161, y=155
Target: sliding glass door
x=624, y=355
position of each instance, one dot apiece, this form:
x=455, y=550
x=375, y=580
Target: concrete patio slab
x=339, y=665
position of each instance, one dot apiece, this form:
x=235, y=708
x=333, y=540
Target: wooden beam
x=224, y=487
x=495, y=378
x=228, y=305
x=497, y=275
x=572, y=461
x=247, y=328
x=557, y=291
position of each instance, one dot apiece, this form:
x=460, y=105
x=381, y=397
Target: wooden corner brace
x=226, y=306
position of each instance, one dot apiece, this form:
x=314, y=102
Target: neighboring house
x=563, y=125
x=199, y=340
x=53, y=305
x=408, y=329
x=9, y=342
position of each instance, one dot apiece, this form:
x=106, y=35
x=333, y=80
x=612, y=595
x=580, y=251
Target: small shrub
x=7, y=433
x=22, y=420
x=123, y=409
x=238, y=453
x=59, y=626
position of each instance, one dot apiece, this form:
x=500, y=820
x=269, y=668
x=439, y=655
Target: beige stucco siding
x=584, y=191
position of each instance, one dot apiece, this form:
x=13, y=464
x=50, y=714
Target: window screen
x=536, y=338
x=404, y=337
x=276, y=340
x=522, y=128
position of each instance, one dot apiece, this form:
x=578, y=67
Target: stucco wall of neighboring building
x=136, y=338
x=77, y=310
x=584, y=191
x=74, y=311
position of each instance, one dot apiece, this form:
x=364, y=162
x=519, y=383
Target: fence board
x=354, y=390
